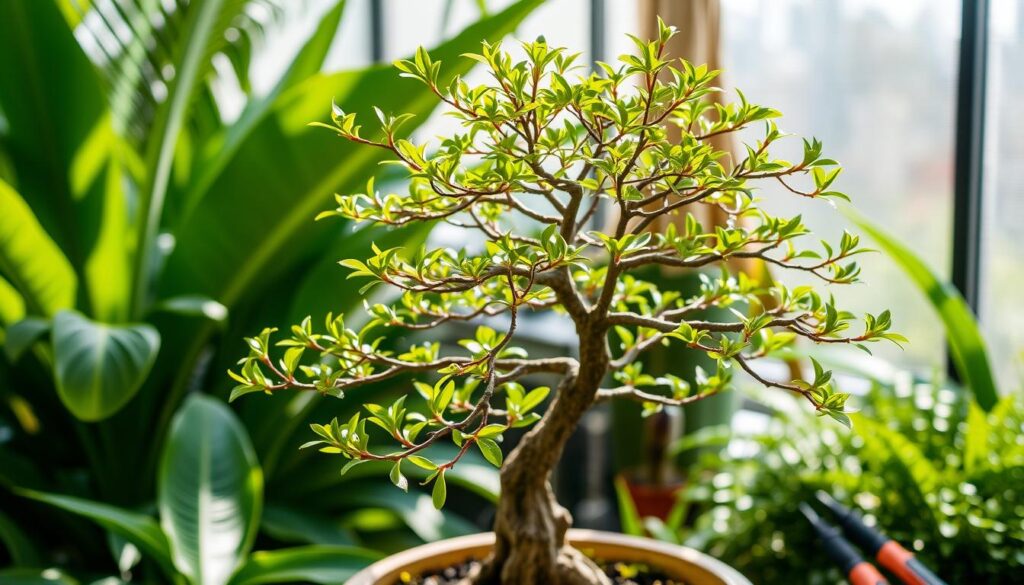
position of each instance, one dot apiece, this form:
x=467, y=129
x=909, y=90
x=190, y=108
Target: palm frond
x=135, y=42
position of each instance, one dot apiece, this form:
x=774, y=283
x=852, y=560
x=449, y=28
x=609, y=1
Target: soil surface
x=619, y=573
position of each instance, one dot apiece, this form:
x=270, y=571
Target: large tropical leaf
x=30, y=259
x=66, y=157
x=139, y=529
x=326, y=565
x=209, y=491
x=205, y=26
x=299, y=525
x=135, y=64
x=12, y=305
x=21, y=335
x=220, y=149
x=52, y=102
x=99, y=367
x=280, y=175
x=967, y=346
x=257, y=213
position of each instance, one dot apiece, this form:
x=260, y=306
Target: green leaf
x=325, y=565
x=310, y=59
x=12, y=306
x=282, y=154
x=970, y=356
x=976, y=438
x=21, y=576
x=98, y=367
x=440, y=492
x=491, y=451
x=306, y=64
x=413, y=508
x=209, y=491
x=422, y=462
x=22, y=335
x=66, y=155
x=194, y=306
x=350, y=464
x=628, y=516
x=31, y=260
x=206, y=24
x=19, y=547
x=139, y=529
x=46, y=131
x=397, y=478
x=302, y=525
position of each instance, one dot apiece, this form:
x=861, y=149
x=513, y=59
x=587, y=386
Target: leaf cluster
x=545, y=144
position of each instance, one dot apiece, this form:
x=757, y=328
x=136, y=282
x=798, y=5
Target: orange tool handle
x=865, y=573
x=902, y=563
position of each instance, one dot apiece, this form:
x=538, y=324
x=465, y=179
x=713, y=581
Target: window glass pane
x=875, y=80
x=351, y=46
x=425, y=22
x=1003, y=206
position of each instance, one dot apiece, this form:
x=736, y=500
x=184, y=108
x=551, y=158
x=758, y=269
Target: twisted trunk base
x=530, y=526
x=530, y=545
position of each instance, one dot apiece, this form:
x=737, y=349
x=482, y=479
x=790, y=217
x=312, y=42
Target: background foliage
x=140, y=229
x=925, y=462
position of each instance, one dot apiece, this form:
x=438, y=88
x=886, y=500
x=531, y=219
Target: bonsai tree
x=543, y=146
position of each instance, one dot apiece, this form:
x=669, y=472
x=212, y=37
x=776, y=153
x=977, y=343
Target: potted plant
x=541, y=144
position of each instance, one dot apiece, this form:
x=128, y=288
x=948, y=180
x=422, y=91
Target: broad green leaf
x=326, y=565
x=31, y=260
x=209, y=491
x=74, y=10
x=22, y=576
x=65, y=152
x=285, y=172
x=108, y=264
x=139, y=529
x=220, y=149
x=12, y=306
x=967, y=346
x=53, y=101
x=295, y=524
x=206, y=23
x=21, y=335
x=413, y=508
x=310, y=58
x=99, y=367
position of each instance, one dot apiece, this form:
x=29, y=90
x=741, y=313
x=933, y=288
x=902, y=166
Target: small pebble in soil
x=619, y=573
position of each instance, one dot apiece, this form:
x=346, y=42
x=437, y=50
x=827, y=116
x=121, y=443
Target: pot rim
x=577, y=536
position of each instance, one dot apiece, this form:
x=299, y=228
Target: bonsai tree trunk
x=530, y=525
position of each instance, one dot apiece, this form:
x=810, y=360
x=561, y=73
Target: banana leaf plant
x=209, y=500
x=119, y=275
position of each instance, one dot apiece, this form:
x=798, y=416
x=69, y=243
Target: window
x=876, y=82
x=1003, y=204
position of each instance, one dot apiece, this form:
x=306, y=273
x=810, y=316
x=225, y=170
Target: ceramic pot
x=686, y=564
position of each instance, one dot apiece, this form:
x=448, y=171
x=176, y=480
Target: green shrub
x=932, y=470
